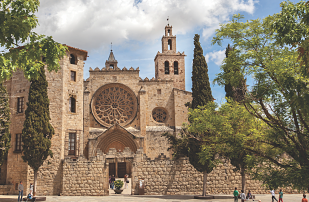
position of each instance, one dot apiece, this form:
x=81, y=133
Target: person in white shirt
x=273, y=195
x=242, y=196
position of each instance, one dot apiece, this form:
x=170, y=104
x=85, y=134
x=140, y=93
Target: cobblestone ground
x=124, y=198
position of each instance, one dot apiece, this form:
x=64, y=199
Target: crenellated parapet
x=155, y=80
x=113, y=69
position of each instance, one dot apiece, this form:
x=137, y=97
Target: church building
x=111, y=124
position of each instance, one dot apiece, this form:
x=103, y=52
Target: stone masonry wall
x=83, y=177
x=168, y=177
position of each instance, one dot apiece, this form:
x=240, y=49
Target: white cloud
x=216, y=56
x=90, y=24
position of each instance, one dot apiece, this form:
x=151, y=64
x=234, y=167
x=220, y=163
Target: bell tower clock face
x=113, y=103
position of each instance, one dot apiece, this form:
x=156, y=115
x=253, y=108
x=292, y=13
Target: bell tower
x=170, y=64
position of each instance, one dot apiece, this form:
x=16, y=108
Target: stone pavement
x=151, y=198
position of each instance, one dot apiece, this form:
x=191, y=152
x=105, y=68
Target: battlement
x=109, y=69
x=155, y=80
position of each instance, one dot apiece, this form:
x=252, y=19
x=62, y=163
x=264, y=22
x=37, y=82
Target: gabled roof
x=82, y=52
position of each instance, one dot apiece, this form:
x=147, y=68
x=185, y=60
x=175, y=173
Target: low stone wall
x=6, y=189
x=168, y=177
x=85, y=177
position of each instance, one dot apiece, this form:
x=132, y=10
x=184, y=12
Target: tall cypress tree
x=201, y=91
x=37, y=131
x=228, y=87
x=235, y=92
x=5, y=136
x=190, y=144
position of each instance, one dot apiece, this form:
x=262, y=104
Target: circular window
x=114, y=103
x=159, y=114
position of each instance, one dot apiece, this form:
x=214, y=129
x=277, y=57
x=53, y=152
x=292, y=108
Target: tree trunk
x=204, y=182
x=243, y=179
x=34, y=184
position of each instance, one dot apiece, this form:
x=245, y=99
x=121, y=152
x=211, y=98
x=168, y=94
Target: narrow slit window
x=167, y=70
x=73, y=75
x=72, y=143
x=168, y=32
x=72, y=105
x=18, y=142
x=176, y=67
x=20, y=105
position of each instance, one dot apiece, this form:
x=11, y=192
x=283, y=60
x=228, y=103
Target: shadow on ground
x=8, y=199
x=182, y=197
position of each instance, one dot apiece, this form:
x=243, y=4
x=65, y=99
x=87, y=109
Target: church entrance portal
x=119, y=169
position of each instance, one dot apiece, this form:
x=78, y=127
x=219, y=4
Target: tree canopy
x=279, y=95
x=5, y=136
x=22, y=48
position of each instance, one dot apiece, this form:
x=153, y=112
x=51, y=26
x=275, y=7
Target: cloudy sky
x=135, y=28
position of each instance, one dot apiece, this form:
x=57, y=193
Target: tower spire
x=111, y=46
x=168, y=20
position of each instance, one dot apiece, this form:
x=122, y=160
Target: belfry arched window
x=167, y=69
x=169, y=42
x=176, y=67
x=72, y=59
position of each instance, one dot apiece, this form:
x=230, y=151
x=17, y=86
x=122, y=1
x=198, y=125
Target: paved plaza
x=151, y=198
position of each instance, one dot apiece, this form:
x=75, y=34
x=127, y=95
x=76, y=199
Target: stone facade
x=85, y=177
x=111, y=124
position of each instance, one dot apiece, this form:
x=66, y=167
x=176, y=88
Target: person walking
x=126, y=181
x=113, y=181
x=31, y=189
x=110, y=181
x=242, y=196
x=273, y=196
x=304, y=199
x=235, y=195
x=20, y=191
x=281, y=196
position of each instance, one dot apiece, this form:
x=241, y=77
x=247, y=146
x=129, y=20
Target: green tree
x=237, y=92
x=5, y=136
x=22, y=48
x=197, y=146
x=279, y=95
x=37, y=131
x=233, y=129
x=201, y=91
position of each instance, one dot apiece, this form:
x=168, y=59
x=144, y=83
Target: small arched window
x=72, y=105
x=111, y=66
x=73, y=59
x=169, y=42
x=167, y=69
x=168, y=32
x=176, y=67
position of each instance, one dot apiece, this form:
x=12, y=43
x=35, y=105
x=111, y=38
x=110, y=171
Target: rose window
x=159, y=115
x=114, y=103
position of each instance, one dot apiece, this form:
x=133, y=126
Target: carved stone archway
x=114, y=137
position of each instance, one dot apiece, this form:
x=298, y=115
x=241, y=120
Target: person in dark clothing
x=21, y=191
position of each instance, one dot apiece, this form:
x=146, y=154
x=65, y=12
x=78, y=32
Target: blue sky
x=136, y=27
